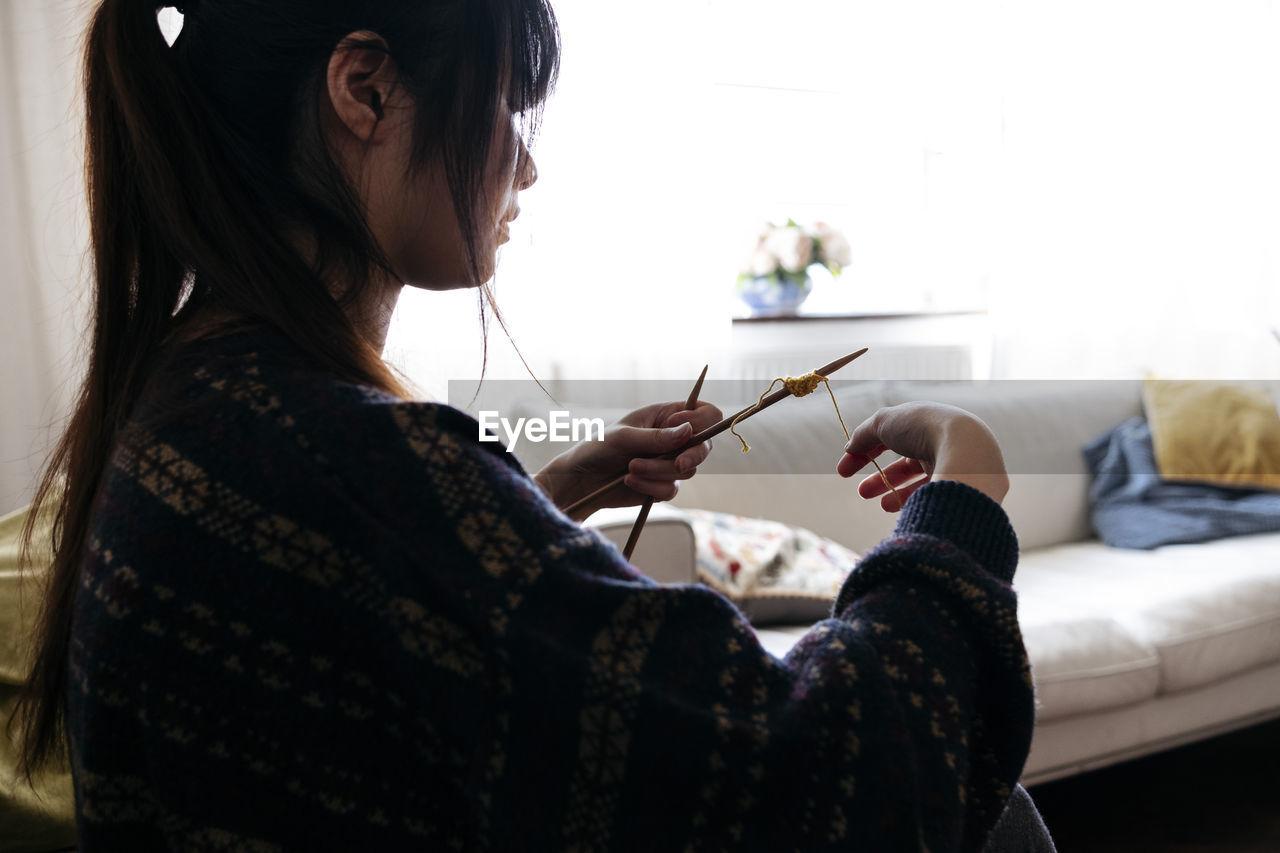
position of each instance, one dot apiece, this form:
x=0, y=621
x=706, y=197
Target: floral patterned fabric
x=774, y=572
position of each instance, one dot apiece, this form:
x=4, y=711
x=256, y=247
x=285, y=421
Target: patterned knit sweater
x=315, y=616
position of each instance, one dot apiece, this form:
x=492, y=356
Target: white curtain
x=43, y=233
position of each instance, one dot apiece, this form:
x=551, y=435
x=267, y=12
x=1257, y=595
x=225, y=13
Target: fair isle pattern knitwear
x=317, y=617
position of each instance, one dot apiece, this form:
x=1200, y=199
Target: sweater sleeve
x=648, y=717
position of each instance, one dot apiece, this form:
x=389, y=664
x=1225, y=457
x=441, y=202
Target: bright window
x=1100, y=175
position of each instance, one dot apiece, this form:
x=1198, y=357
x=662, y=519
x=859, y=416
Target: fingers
x=899, y=474
x=682, y=467
x=890, y=501
x=658, y=477
x=702, y=416
x=866, y=438
x=638, y=441
x=905, y=475
x=686, y=463
x=911, y=429
x=662, y=490
x=661, y=428
x=852, y=463
x=935, y=441
x=679, y=427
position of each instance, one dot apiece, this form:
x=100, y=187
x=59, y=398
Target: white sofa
x=1132, y=652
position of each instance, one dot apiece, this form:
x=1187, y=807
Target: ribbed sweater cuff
x=969, y=519
x=957, y=517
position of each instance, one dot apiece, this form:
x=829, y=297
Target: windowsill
x=867, y=315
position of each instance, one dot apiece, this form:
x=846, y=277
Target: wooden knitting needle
x=689, y=405
x=715, y=429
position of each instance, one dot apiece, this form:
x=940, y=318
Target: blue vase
x=774, y=295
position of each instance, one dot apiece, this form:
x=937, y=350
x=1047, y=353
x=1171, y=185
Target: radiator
x=937, y=363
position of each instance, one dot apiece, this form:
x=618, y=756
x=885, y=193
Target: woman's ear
x=360, y=80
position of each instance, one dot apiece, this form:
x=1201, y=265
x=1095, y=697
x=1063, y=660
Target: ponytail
x=199, y=158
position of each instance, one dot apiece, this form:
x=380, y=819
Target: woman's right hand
x=936, y=441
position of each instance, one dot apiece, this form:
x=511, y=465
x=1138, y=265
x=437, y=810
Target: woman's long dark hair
x=199, y=158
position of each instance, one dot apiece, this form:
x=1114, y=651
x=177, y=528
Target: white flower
x=819, y=230
x=836, y=249
x=758, y=260
x=833, y=249
x=763, y=262
x=792, y=247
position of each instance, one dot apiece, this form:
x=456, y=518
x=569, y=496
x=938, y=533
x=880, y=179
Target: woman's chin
x=457, y=280
x=441, y=286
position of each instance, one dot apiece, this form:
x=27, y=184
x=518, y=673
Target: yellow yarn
x=800, y=386
x=803, y=386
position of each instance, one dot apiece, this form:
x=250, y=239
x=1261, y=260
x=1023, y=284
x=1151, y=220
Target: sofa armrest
x=666, y=551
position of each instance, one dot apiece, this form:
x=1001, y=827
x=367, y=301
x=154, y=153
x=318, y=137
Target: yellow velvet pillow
x=44, y=818
x=1221, y=433
x=19, y=596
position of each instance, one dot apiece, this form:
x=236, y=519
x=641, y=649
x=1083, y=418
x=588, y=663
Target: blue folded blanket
x=1134, y=508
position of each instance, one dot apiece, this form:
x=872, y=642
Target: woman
x=292, y=610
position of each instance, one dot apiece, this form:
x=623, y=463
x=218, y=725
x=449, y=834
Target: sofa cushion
x=1204, y=611
x=1081, y=664
x=1212, y=610
x=773, y=572
x=1083, y=658
x=1221, y=433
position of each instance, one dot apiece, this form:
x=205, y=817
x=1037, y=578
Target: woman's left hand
x=630, y=445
